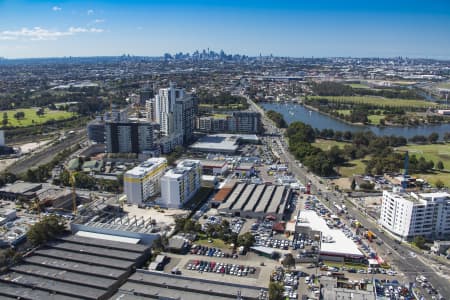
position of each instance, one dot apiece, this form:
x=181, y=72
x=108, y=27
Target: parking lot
x=222, y=268
x=262, y=265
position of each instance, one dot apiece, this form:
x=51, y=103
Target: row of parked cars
x=210, y=251
x=236, y=225
x=220, y=268
x=289, y=281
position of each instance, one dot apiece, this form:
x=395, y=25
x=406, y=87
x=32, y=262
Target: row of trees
x=277, y=118
x=331, y=88
x=45, y=230
x=220, y=231
x=222, y=99
x=380, y=149
x=42, y=173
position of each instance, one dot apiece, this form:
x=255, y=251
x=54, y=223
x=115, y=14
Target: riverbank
x=316, y=119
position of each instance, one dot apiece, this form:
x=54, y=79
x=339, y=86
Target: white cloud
x=56, y=8
x=83, y=29
x=90, y=12
x=42, y=34
x=99, y=21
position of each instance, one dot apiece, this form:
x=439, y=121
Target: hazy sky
x=283, y=28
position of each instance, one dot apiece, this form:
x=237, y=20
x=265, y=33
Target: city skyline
x=152, y=28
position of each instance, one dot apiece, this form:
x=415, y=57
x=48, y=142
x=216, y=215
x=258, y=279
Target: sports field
x=377, y=101
x=359, y=86
x=374, y=119
x=31, y=118
x=434, y=152
x=326, y=145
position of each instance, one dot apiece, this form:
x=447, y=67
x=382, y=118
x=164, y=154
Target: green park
x=25, y=117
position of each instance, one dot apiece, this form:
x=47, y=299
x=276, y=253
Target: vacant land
x=31, y=118
x=377, y=101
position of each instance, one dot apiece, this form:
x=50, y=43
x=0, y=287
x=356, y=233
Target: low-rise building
x=178, y=185
x=214, y=167
x=407, y=215
x=143, y=181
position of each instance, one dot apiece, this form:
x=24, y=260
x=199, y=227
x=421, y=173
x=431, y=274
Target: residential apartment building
x=129, y=137
x=407, y=215
x=143, y=181
x=96, y=128
x=175, y=111
x=178, y=185
x=245, y=122
x=237, y=122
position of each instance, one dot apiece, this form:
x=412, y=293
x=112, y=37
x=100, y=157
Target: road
x=44, y=156
x=400, y=256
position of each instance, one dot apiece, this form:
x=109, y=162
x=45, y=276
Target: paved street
x=405, y=263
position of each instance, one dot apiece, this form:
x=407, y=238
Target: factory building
x=256, y=201
x=146, y=284
x=178, y=185
x=74, y=267
x=143, y=181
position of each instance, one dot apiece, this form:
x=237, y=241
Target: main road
x=46, y=154
x=399, y=255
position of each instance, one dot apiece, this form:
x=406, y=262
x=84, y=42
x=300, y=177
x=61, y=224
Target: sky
x=296, y=28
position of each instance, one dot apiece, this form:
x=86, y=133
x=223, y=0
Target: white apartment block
x=166, y=113
x=178, y=185
x=407, y=215
x=143, y=181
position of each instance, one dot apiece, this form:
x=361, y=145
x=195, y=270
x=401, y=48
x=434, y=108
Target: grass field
x=359, y=86
x=353, y=167
x=434, y=152
x=377, y=101
x=32, y=119
x=374, y=119
x=217, y=243
x=326, y=145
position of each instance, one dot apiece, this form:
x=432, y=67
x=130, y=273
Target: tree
x=5, y=119
x=433, y=137
x=288, y=261
x=440, y=165
x=353, y=185
x=447, y=137
x=19, y=115
x=40, y=112
x=439, y=184
x=276, y=291
x=247, y=240
x=45, y=230
x=419, y=241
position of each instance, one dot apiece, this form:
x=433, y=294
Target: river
x=297, y=112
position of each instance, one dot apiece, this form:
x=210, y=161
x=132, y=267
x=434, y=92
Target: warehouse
x=73, y=267
x=149, y=284
x=20, y=189
x=256, y=201
x=335, y=244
